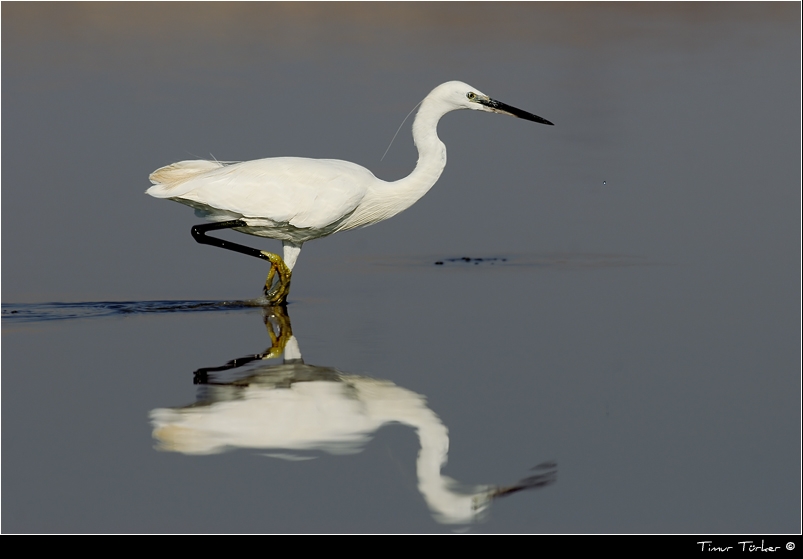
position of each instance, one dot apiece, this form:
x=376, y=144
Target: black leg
x=199, y=234
x=273, y=294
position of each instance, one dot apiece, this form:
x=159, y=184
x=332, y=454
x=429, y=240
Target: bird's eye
x=471, y=95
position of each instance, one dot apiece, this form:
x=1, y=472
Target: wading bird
x=296, y=200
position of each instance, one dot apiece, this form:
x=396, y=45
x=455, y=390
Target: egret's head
x=462, y=96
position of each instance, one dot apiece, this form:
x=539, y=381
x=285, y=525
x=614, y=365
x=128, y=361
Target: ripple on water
x=41, y=312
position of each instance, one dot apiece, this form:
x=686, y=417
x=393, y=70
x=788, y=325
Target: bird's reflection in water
x=293, y=406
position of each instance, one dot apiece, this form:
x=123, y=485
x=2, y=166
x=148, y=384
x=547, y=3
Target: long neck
x=384, y=403
x=386, y=199
x=431, y=154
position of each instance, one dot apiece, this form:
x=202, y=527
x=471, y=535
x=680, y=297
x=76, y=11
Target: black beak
x=499, y=107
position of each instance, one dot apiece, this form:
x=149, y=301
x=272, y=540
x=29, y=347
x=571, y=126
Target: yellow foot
x=276, y=291
x=278, y=325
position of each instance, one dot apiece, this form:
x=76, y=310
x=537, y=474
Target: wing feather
x=305, y=193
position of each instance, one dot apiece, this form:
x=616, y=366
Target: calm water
x=612, y=343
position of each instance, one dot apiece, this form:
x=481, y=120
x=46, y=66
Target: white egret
x=295, y=200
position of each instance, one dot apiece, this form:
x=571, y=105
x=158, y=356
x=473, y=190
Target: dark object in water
x=467, y=260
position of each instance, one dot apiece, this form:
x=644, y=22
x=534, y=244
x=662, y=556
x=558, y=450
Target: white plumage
x=296, y=200
x=285, y=198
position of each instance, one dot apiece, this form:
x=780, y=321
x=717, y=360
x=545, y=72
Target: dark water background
x=638, y=331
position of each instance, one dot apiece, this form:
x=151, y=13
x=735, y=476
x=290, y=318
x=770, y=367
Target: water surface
x=610, y=343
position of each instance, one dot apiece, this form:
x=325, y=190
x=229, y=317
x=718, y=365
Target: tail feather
x=168, y=178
